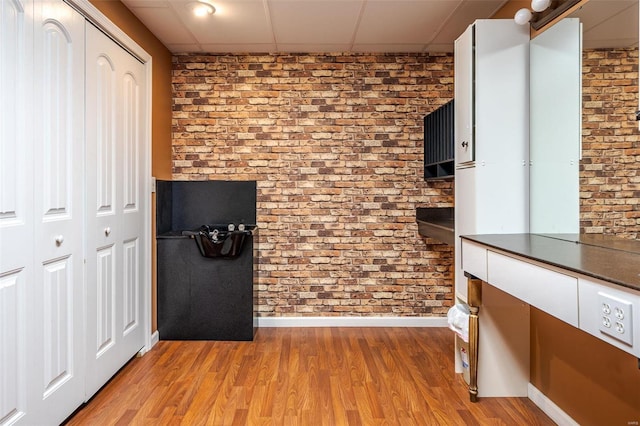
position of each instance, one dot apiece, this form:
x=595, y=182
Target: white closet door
x=55, y=320
x=16, y=204
x=115, y=212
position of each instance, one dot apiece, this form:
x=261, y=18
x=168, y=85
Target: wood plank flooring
x=302, y=376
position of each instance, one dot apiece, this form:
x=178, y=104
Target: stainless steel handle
x=107, y=231
x=59, y=240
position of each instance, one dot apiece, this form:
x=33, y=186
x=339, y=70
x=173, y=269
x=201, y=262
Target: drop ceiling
x=350, y=25
x=312, y=25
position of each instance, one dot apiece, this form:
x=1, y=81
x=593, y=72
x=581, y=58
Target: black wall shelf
x=438, y=143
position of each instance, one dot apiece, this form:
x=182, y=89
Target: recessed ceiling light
x=201, y=8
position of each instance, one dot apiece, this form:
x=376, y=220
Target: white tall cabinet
x=491, y=132
x=492, y=172
x=67, y=321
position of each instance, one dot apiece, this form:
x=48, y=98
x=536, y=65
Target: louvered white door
x=16, y=205
x=115, y=207
x=55, y=319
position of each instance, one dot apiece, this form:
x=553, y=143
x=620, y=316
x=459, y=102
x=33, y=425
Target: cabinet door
x=115, y=207
x=555, y=128
x=464, y=104
x=16, y=204
x=55, y=320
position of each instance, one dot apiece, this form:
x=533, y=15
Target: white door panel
x=58, y=332
x=72, y=266
x=132, y=214
x=16, y=205
x=13, y=354
x=115, y=221
x=16, y=169
x=131, y=285
x=55, y=319
x=105, y=295
x=555, y=129
x=133, y=220
x=102, y=226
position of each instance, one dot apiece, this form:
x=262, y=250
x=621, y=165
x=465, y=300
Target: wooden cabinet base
x=474, y=289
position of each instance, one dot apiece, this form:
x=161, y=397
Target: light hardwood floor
x=302, y=376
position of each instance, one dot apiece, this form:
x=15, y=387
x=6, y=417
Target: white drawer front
x=592, y=295
x=474, y=259
x=550, y=291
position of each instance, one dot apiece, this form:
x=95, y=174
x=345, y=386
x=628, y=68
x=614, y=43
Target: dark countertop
x=599, y=256
x=436, y=223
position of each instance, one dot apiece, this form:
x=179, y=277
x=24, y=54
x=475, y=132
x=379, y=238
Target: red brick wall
x=335, y=143
x=610, y=168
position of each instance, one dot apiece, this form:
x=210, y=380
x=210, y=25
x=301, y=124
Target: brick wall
x=610, y=168
x=335, y=143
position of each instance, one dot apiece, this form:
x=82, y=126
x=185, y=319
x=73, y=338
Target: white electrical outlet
x=615, y=317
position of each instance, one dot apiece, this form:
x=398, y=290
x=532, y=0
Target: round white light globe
x=523, y=16
x=540, y=5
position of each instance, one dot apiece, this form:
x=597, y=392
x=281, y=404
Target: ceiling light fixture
x=540, y=5
x=201, y=8
x=524, y=15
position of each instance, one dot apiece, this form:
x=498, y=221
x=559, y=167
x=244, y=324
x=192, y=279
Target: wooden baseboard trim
x=352, y=322
x=549, y=407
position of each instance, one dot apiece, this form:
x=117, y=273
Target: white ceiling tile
x=439, y=48
x=314, y=21
x=235, y=21
x=147, y=3
x=184, y=48
x=464, y=16
x=314, y=48
x=608, y=43
x=237, y=48
x=593, y=15
x=383, y=48
x=164, y=24
x=403, y=21
x=609, y=24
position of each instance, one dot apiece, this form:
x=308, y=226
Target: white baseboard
x=352, y=322
x=153, y=339
x=549, y=408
